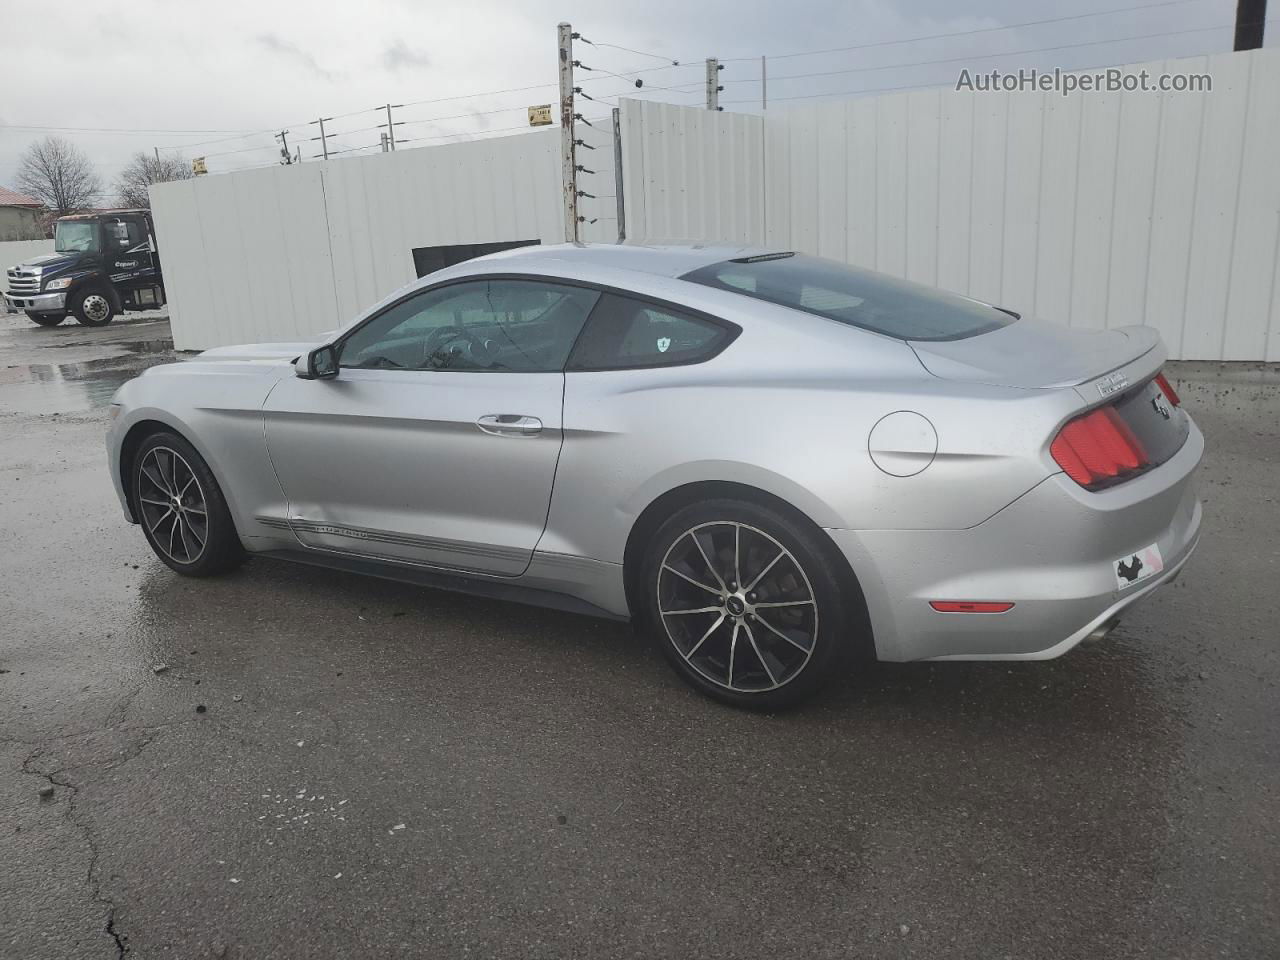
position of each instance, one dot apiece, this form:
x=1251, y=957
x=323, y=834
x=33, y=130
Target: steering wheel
x=476, y=348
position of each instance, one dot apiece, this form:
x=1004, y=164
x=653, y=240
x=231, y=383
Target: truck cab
x=103, y=264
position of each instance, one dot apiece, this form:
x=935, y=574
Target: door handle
x=509, y=425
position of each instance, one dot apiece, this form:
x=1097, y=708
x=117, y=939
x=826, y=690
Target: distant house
x=19, y=217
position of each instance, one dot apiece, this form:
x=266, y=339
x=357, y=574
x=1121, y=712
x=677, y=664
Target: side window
x=137, y=235
x=125, y=234
x=524, y=326
x=625, y=332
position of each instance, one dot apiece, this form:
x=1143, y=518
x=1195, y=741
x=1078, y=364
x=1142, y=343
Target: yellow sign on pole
x=198, y=167
x=540, y=116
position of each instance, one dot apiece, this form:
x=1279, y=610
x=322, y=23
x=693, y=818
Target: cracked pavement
x=382, y=770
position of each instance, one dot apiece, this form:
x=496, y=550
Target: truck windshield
x=860, y=298
x=75, y=236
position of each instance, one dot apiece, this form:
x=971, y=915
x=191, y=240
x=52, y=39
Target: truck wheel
x=92, y=307
x=47, y=319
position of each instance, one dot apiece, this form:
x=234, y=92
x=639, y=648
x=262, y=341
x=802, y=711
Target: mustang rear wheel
x=744, y=603
x=181, y=509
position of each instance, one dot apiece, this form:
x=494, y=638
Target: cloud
x=399, y=55
x=291, y=51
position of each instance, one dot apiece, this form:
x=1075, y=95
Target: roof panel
x=667, y=260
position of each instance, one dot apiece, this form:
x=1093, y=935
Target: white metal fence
x=13, y=252
x=1095, y=210
x=289, y=252
x=694, y=174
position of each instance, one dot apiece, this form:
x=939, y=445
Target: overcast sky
x=177, y=75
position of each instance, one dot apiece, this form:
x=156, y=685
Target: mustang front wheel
x=181, y=509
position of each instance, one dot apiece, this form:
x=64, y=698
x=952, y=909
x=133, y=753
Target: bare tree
x=144, y=170
x=59, y=175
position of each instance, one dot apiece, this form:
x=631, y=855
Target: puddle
x=158, y=345
x=40, y=388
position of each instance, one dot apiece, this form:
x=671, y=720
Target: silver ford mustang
x=775, y=463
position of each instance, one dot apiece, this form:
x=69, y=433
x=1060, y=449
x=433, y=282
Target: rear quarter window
x=626, y=333
x=853, y=296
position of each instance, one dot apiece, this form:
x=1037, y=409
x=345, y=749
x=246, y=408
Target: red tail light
x=1098, y=447
x=970, y=606
x=1167, y=390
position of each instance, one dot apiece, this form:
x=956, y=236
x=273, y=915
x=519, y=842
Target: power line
x=227, y=153
x=582, y=66
x=467, y=135
x=982, y=56
x=465, y=116
x=487, y=93
x=629, y=74
x=969, y=33
x=930, y=84
x=642, y=53
x=243, y=134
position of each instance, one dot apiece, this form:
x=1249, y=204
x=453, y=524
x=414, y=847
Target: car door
x=437, y=441
x=128, y=255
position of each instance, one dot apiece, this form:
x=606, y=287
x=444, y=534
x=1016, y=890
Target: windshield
x=860, y=298
x=75, y=236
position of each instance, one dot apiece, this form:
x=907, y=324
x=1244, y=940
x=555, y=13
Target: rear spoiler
x=1133, y=372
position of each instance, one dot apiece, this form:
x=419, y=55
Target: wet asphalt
x=326, y=766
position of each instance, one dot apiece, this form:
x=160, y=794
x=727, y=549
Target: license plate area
x=1137, y=567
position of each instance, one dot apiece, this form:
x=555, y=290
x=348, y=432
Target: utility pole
x=617, y=174
x=713, y=83
x=157, y=150
x=568, y=146
x=391, y=127
x=283, y=137
x=764, y=86
x=1251, y=19
x=324, y=143
x=383, y=140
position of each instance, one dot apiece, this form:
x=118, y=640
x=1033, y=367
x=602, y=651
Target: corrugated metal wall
x=1092, y=210
x=692, y=173
x=290, y=252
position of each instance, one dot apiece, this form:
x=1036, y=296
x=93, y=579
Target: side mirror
x=318, y=364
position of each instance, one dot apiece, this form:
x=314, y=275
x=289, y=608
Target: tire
x=46, y=319
x=793, y=628
x=92, y=307
x=165, y=464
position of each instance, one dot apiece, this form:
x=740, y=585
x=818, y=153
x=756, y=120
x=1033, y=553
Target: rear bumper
x=37, y=303
x=1052, y=553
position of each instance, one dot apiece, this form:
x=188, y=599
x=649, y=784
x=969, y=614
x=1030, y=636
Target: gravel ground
x=295, y=763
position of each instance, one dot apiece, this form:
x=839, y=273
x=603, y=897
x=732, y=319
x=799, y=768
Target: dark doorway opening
x=430, y=259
